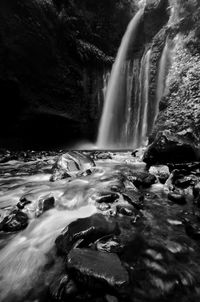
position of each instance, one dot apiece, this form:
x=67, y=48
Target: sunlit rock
x=70, y=164
x=162, y=172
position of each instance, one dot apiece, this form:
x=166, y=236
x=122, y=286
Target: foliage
x=99, y=25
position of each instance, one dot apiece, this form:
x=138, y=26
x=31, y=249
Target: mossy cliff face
x=180, y=105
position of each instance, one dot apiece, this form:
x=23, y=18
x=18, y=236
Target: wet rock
x=107, y=198
x=124, y=210
x=196, y=193
x=168, y=148
x=184, y=182
x=15, y=221
x=22, y=203
x=142, y=179
x=134, y=153
x=162, y=172
x=62, y=288
x=89, y=229
x=134, y=198
x=103, y=155
x=108, y=245
x=70, y=164
x=97, y=270
x=177, y=198
x=44, y=204
x=103, y=207
x=187, y=166
x=86, y=173
x=193, y=230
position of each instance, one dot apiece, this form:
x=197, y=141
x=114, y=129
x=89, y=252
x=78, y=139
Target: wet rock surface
x=69, y=164
x=167, y=148
x=15, y=221
x=87, y=230
x=102, y=236
x=98, y=270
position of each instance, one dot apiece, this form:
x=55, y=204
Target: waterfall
x=117, y=110
x=128, y=116
x=162, y=75
x=143, y=131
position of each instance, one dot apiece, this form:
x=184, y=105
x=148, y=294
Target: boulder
x=70, y=164
x=44, y=204
x=168, y=147
x=15, y=221
x=142, y=179
x=86, y=229
x=98, y=270
x=160, y=171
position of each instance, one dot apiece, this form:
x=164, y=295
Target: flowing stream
x=28, y=262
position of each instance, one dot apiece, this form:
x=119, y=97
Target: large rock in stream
x=85, y=230
x=98, y=270
x=15, y=221
x=167, y=148
x=70, y=164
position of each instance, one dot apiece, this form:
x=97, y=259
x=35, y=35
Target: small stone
x=22, y=203
x=108, y=198
x=124, y=210
x=108, y=245
x=103, y=207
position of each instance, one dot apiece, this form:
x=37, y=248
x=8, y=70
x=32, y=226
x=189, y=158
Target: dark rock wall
x=50, y=77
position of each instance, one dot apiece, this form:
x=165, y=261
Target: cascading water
x=113, y=126
x=128, y=117
x=162, y=75
x=141, y=129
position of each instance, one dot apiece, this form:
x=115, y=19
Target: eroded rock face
x=169, y=148
x=97, y=270
x=85, y=230
x=70, y=164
